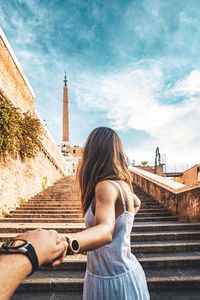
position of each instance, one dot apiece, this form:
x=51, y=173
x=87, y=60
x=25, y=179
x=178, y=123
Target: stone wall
x=152, y=169
x=179, y=199
x=190, y=176
x=20, y=180
x=13, y=83
x=147, y=168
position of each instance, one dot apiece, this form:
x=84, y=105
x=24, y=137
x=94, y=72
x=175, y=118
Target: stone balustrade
x=180, y=199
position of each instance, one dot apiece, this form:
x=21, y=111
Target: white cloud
x=188, y=86
x=129, y=99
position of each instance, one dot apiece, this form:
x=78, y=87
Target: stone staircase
x=168, y=250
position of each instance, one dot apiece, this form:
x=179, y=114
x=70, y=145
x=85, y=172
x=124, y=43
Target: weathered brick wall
x=23, y=179
x=183, y=202
x=12, y=80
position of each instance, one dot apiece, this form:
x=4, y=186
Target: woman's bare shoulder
x=105, y=186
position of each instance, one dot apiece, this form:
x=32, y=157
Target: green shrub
x=20, y=133
x=22, y=200
x=44, y=183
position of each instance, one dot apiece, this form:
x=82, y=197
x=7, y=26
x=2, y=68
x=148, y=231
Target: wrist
x=19, y=262
x=22, y=247
x=25, y=263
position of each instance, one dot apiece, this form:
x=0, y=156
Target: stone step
x=65, y=183
x=43, y=220
x=58, y=209
x=75, y=284
x=169, y=226
x=48, y=208
x=161, y=209
x=156, y=219
x=45, y=212
x=76, y=227
x=37, y=214
x=141, y=211
x=160, y=235
x=60, y=227
x=56, y=188
x=41, y=207
x=173, y=294
x=68, y=200
x=165, y=246
x=39, y=210
x=147, y=260
x=54, y=201
x=67, y=206
x=151, y=206
x=154, y=294
x=45, y=215
x=149, y=272
x=60, y=188
x=70, y=197
x=74, y=198
x=79, y=220
x=153, y=214
x=78, y=295
x=50, y=196
x=51, y=204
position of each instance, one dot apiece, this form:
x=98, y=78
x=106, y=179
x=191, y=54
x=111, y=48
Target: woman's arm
x=104, y=220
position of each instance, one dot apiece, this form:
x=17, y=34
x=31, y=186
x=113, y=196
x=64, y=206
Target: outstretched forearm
x=13, y=270
x=93, y=238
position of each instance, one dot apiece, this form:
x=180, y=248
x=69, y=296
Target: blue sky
x=132, y=65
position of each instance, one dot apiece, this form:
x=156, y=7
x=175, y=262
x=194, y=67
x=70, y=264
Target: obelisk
x=65, y=139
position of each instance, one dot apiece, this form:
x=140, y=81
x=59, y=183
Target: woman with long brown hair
x=109, y=206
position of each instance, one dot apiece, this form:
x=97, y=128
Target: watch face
x=14, y=244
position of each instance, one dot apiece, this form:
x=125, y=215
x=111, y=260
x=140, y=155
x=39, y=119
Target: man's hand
x=49, y=246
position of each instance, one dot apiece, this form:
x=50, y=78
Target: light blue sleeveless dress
x=113, y=272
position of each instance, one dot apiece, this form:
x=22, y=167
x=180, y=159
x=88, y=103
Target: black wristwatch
x=20, y=246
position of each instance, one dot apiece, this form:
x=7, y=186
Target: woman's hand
x=62, y=256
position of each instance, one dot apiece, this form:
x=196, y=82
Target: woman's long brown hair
x=102, y=159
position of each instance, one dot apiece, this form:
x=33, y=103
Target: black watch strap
x=31, y=254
